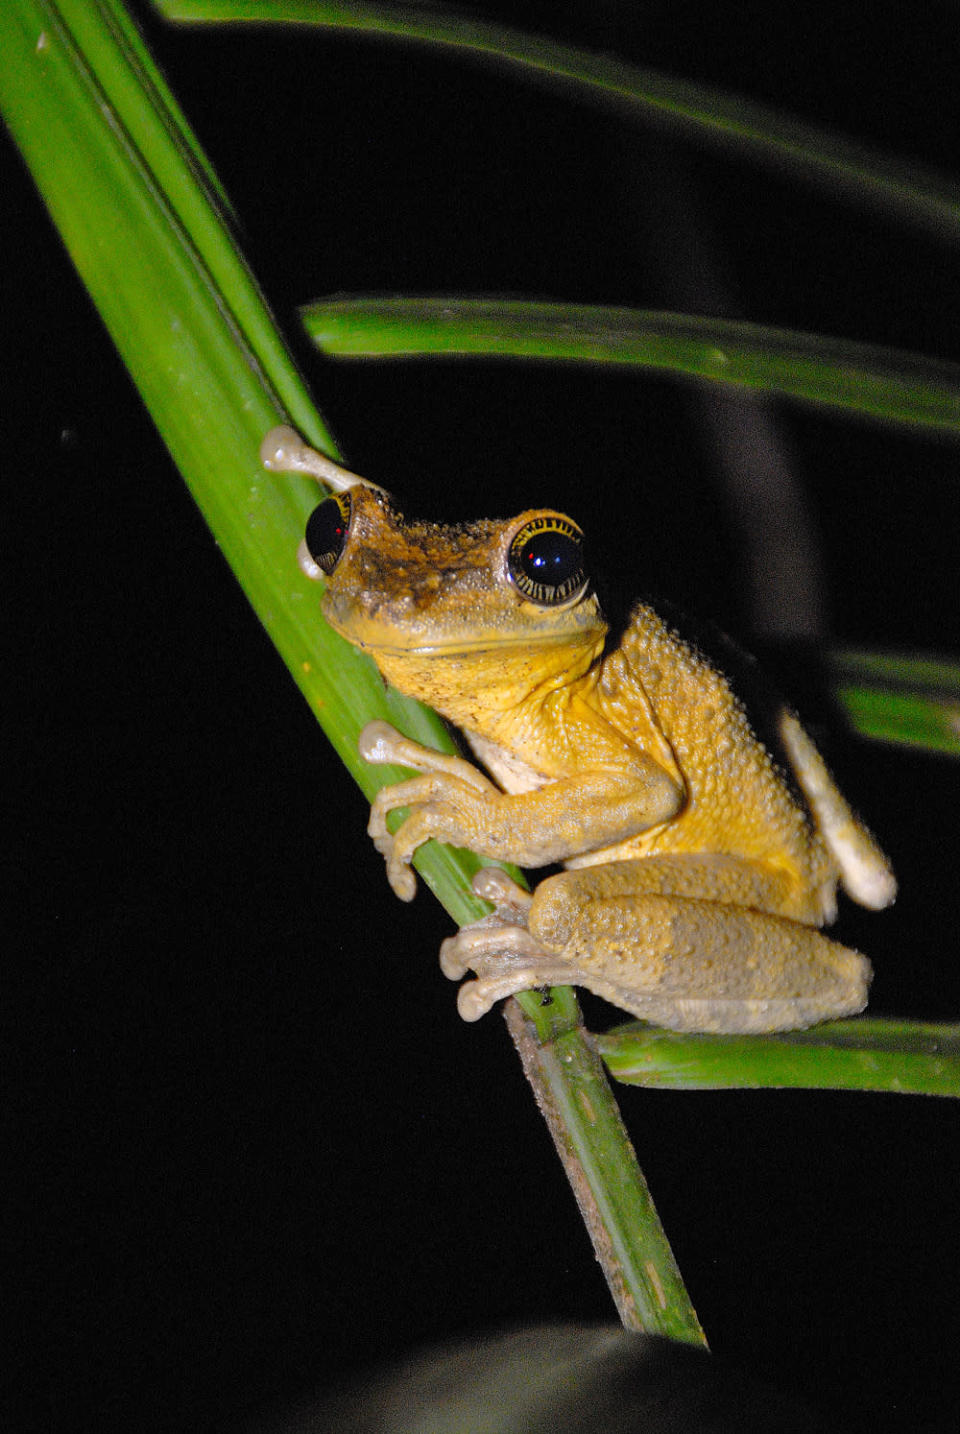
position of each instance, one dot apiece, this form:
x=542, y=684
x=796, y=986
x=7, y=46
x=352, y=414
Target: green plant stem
x=571, y=1089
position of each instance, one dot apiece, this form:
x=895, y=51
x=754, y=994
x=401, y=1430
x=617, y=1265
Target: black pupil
x=550, y=558
x=325, y=533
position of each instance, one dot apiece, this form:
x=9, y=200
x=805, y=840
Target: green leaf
x=908, y=1057
x=880, y=383
x=912, y=701
x=705, y=114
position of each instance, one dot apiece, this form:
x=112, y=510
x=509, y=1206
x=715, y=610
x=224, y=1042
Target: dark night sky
x=233, y=1179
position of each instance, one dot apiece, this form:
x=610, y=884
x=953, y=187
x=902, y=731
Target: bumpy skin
x=697, y=869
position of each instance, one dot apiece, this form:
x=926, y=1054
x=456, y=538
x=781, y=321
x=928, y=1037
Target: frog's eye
x=326, y=531
x=545, y=560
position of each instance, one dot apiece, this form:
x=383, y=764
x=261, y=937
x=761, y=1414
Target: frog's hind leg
x=695, y=965
x=683, y=960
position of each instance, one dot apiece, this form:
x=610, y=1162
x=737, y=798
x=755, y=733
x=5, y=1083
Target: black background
x=252, y=1145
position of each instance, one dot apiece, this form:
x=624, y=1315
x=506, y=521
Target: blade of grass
x=710, y=115
x=880, y=383
x=908, y=1057
x=135, y=205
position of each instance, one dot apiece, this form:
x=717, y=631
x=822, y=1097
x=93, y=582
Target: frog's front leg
x=454, y=802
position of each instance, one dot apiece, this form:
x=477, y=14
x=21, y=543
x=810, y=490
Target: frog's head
x=501, y=604
x=425, y=588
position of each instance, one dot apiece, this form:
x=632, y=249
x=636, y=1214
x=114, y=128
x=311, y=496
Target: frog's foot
x=493, y=884
x=505, y=961
x=504, y=929
x=499, y=949
x=443, y=778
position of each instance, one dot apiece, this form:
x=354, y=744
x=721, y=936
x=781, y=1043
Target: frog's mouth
x=495, y=653
x=473, y=647
x=383, y=639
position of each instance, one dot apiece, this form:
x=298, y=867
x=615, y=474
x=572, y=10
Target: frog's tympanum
x=700, y=862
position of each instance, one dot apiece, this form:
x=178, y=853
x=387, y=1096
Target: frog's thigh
x=560, y=900
x=699, y=965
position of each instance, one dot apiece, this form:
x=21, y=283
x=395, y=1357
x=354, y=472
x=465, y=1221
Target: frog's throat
x=470, y=682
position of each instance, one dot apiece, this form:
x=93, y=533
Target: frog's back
x=740, y=796
x=756, y=784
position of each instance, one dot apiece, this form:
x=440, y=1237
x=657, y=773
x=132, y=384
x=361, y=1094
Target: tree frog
x=698, y=861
